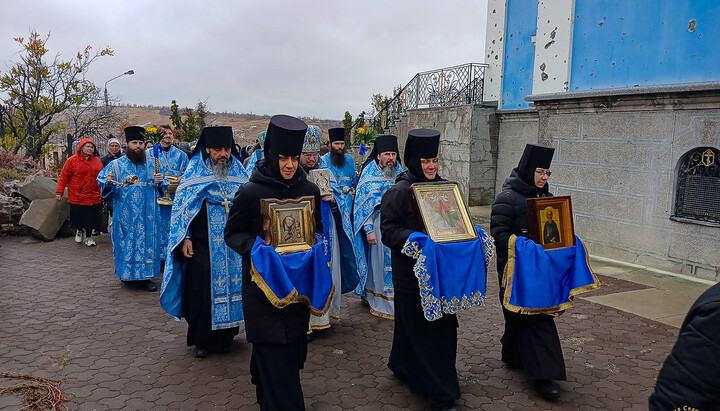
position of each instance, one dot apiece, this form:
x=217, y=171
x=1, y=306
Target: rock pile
x=30, y=207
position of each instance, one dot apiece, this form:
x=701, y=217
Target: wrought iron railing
x=446, y=87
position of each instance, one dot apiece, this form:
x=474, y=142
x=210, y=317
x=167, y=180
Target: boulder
x=36, y=187
x=45, y=216
x=11, y=209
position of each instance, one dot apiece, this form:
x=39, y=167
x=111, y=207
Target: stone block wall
x=468, y=146
x=616, y=155
x=516, y=129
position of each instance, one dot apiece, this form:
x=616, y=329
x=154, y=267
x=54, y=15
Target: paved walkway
x=64, y=315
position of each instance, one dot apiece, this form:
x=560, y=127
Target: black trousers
x=275, y=371
x=85, y=217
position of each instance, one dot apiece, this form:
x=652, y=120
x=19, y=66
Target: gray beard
x=389, y=171
x=221, y=170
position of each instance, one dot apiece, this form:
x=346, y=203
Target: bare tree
x=93, y=120
x=37, y=89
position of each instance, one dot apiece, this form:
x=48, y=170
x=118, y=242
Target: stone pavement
x=64, y=315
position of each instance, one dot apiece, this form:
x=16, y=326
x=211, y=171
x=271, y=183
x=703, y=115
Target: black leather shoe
x=547, y=389
x=201, y=352
x=150, y=286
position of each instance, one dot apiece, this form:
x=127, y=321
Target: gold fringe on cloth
x=291, y=298
x=507, y=281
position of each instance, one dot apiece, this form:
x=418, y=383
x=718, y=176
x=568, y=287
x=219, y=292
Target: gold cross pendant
x=226, y=203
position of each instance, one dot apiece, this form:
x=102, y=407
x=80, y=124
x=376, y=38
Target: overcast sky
x=304, y=58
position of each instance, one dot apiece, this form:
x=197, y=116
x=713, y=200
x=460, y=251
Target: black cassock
x=196, y=291
x=278, y=335
x=530, y=342
x=423, y=352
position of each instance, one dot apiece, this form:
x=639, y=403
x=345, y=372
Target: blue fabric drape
x=544, y=281
x=292, y=278
x=451, y=276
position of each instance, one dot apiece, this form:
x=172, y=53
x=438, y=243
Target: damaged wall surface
x=623, y=90
x=519, y=53
x=624, y=43
x=551, y=46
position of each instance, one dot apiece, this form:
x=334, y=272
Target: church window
x=697, y=195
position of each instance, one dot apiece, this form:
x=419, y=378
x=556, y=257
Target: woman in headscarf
x=113, y=151
x=530, y=341
x=79, y=175
x=423, y=352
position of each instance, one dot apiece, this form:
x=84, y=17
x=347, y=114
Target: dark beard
x=307, y=169
x=221, y=170
x=337, y=157
x=389, y=171
x=136, y=157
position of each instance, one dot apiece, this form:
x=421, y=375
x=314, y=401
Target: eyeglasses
x=547, y=173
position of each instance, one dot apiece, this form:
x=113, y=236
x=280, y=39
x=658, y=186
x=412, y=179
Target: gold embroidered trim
x=434, y=308
x=488, y=247
x=378, y=295
x=318, y=327
x=381, y=315
x=507, y=281
x=291, y=298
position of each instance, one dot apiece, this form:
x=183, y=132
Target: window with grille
x=697, y=198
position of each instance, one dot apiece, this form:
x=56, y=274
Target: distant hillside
x=245, y=126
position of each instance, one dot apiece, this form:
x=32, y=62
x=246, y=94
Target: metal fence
x=446, y=87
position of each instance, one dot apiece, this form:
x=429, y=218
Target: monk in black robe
x=423, y=352
x=278, y=335
x=530, y=341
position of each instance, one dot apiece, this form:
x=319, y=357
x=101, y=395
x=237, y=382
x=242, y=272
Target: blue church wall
x=519, y=53
x=622, y=43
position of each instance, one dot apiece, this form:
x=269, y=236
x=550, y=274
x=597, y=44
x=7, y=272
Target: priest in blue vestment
x=172, y=163
x=347, y=248
x=202, y=281
x=378, y=176
x=136, y=235
x=310, y=160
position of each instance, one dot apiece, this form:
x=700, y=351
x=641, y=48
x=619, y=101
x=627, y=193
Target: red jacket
x=80, y=176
